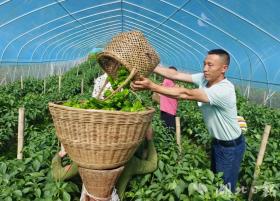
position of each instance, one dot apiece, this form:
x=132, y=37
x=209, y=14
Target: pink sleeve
x=168, y=83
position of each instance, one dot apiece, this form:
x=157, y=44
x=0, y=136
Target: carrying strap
x=114, y=196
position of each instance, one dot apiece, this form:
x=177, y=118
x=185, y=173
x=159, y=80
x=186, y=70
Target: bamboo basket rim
x=55, y=104
x=116, y=146
x=114, y=57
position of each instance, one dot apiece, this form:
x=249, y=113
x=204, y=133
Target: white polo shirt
x=220, y=114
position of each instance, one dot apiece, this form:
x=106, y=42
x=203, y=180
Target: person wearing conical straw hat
x=217, y=101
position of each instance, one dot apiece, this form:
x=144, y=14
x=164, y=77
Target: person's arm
x=172, y=74
x=174, y=92
x=137, y=166
x=60, y=173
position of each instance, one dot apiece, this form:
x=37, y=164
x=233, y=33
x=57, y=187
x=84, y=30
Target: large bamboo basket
x=100, y=183
x=132, y=50
x=99, y=139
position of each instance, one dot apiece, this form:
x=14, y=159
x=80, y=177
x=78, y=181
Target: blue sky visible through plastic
x=182, y=31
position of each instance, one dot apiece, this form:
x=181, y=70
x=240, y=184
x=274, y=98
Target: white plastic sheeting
x=43, y=35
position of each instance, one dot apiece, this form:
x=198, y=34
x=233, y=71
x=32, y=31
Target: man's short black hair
x=221, y=53
x=172, y=67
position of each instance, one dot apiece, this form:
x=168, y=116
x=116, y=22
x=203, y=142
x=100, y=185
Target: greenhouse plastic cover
x=46, y=35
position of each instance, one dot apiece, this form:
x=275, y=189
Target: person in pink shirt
x=168, y=106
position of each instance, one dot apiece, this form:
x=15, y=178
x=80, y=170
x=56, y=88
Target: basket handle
x=102, y=88
x=131, y=75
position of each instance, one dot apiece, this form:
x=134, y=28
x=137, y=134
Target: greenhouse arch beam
x=167, y=39
x=65, y=24
x=178, y=39
x=68, y=30
x=49, y=32
x=163, y=52
x=28, y=13
x=65, y=48
x=74, y=44
x=94, y=31
x=165, y=32
x=231, y=36
x=108, y=34
x=33, y=54
x=239, y=68
x=176, y=11
x=246, y=20
x=91, y=39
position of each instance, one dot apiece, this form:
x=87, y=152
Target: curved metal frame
x=62, y=46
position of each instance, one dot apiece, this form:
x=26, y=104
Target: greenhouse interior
x=59, y=141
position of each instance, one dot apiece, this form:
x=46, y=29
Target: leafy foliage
x=180, y=176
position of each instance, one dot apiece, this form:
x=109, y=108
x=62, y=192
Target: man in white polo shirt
x=217, y=101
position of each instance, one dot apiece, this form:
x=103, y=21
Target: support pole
x=77, y=72
x=178, y=133
x=82, y=86
x=44, y=86
x=259, y=159
x=21, y=82
x=20, y=132
x=59, y=84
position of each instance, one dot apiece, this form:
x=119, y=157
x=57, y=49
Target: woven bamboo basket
x=99, y=139
x=100, y=183
x=132, y=50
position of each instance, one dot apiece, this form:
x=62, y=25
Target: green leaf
x=26, y=190
x=192, y=188
x=3, y=168
x=8, y=199
x=158, y=174
x=36, y=165
x=171, y=198
x=180, y=188
x=38, y=192
x=66, y=196
x=172, y=185
x=211, y=175
x=18, y=193
x=161, y=165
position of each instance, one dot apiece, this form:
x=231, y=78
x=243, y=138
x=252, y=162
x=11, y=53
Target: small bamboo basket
x=99, y=139
x=100, y=183
x=132, y=50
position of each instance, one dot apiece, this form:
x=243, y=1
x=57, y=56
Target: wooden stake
x=20, y=132
x=82, y=86
x=77, y=73
x=259, y=159
x=44, y=86
x=21, y=82
x=178, y=133
x=59, y=83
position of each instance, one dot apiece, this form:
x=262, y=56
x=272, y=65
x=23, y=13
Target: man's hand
x=143, y=83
